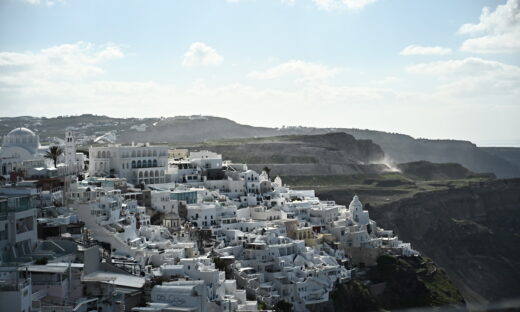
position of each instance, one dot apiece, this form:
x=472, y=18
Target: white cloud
x=201, y=54
x=330, y=5
x=282, y=1
x=42, y=2
x=71, y=79
x=472, y=76
x=74, y=79
x=497, y=31
x=389, y=80
x=465, y=67
x=305, y=71
x=423, y=50
x=66, y=61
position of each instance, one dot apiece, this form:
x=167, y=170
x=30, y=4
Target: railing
x=55, y=308
x=11, y=286
x=50, y=283
x=39, y=294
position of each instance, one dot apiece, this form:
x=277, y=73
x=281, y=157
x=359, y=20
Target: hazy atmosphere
x=259, y=155
x=434, y=69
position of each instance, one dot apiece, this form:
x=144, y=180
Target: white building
x=206, y=215
x=206, y=159
x=15, y=290
x=74, y=161
x=138, y=164
x=359, y=215
x=21, y=149
x=18, y=231
x=162, y=201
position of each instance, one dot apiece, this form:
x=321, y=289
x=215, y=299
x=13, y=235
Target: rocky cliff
x=395, y=283
x=325, y=154
x=472, y=232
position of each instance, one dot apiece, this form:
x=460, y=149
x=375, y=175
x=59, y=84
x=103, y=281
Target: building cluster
x=22, y=156
x=147, y=228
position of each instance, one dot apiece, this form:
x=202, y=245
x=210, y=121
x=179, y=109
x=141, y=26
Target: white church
x=21, y=150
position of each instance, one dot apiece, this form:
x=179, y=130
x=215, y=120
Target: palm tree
x=53, y=153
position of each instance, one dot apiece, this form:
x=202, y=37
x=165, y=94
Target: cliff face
x=395, y=284
x=332, y=153
x=472, y=232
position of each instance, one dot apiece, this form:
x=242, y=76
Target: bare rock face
x=472, y=232
x=324, y=154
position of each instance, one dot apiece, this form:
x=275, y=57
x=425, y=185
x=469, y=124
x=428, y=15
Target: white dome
x=22, y=138
x=21, y=132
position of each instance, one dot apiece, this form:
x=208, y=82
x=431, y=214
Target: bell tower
x=70, y=150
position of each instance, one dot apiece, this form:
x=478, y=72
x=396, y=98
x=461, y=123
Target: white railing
x=39, y=294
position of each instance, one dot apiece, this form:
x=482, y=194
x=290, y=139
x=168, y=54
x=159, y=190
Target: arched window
x=98, y=154
x=149, y=162
x=146, y=174
x=133, y=153
x=155, y=162
x=139, y=164
x=139, y=153
x=133, y=163
x=140, y=174
x=108, y=154
x=103, y=154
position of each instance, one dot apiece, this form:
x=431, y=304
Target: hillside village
x=141, y=227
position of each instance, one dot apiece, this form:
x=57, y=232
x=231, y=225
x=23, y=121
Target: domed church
x=20, y=149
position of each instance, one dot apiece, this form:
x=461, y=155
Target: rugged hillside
x=396, y=283
x=425, y=170
x=403, y=148
x=178, y=130
x=397, y=147
x=332, y=153
x=85, y=125
x=511, y=154
x=472, y=232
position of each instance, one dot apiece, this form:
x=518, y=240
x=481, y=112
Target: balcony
x=8, y=285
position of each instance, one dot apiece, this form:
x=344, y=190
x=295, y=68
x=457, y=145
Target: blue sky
x=436, y=69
